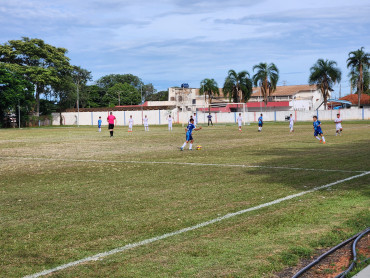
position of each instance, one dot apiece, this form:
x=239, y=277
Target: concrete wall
x=157, y=117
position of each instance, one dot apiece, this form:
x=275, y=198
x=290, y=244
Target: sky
x=170, y=42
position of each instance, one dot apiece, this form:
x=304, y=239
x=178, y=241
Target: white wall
x=157, y=117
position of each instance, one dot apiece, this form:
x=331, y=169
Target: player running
x=338, y=125
x=189, y=138
x=317, y=130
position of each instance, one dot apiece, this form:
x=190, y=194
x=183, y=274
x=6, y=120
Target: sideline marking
x=179, y=163
x=200, y=225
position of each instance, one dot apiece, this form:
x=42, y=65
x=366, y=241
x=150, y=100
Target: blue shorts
x=317, y=132
x=260, y=124
x=189, y=137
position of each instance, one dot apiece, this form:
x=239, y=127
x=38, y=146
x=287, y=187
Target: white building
x=284, y=98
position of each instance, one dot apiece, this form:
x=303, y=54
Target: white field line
x=179, y=163
x=188, y=229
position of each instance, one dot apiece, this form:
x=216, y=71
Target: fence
x=159, y=117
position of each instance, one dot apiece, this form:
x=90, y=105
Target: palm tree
x=209, y=87
x=324, y=74
x=357, y=61
x=237, y=86
x=266, y=77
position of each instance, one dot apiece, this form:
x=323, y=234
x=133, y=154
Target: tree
x=238, y=86
x=160, y=96
x=123, y=94
x=354, y=77
x=358, y=61
x=324, y=74
x=15, y=93
x=42, y=64
x=266, y=77
x=108, y=81
x=210, y=88
x=80, y=77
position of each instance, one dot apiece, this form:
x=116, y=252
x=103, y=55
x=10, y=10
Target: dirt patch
x=333, y=264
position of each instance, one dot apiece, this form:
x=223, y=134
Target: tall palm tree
x=324, y=74
x=209, y=87
x=238, y=86
x=357, y=61
x=266, y=77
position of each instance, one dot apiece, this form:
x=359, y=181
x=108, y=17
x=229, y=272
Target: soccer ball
x=199, y=147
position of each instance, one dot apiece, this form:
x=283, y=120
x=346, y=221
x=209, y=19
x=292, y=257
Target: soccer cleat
x=181, y=149
x=320, y=140
x=190, y=149
x=324, y=142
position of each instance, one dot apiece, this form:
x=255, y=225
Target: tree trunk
x=360, y=91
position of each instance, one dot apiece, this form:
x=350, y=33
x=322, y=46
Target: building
x=284, y=98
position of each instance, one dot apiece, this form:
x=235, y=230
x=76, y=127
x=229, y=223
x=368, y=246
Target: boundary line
x=180, y=163
x=99, y=256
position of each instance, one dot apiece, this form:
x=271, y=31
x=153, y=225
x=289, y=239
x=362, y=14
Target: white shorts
x=338, y=126
x=130, y=126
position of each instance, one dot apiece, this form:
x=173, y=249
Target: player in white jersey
x=195, y=119
x=146, y=123
x=291, y=123
x=338, y=125
x=169, y=122
x=240, y=121
x=130, y=123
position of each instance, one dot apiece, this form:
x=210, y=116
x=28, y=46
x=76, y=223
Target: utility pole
x=19, y=114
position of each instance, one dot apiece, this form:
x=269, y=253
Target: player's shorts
x=189, y=137
x=291, y=126
x=260, y=124
x=338, y=127
x=318, y=132
x=110, y=126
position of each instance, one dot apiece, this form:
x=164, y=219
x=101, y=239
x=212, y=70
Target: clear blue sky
x=169, y=42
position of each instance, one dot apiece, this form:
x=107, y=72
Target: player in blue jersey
x=99, y=124
x=317, y=130
x=189, y=138
x=260, y=123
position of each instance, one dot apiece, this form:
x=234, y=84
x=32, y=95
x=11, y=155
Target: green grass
x=55, y=209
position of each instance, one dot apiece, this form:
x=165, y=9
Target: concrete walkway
x=365, y=273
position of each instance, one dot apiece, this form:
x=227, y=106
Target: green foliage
x=238, y=86
x=108, y=81
x=266, y=77
x=324, y=74
x=160, y=96
x=14, y=91
x=42, y=64
x=359, y=62
x=210, y=88
x=122, y=94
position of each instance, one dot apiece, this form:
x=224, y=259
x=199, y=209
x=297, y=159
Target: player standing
x=338, y=125
x=209, y=119
x=291, y=123
x=260, y=123
x=99, y=124
x=130, y=123
x=317, y=130
x=195, y=119
x=240, y=121
x=111, y=121
x=169, y=122
x=146, y=123
x=189, y=138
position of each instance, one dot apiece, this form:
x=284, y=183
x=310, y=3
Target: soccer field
x=77, y=203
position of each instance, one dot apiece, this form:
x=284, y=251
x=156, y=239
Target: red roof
x=353, y=98
x=228, y=107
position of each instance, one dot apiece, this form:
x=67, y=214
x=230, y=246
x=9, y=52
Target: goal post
x=226, y=112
